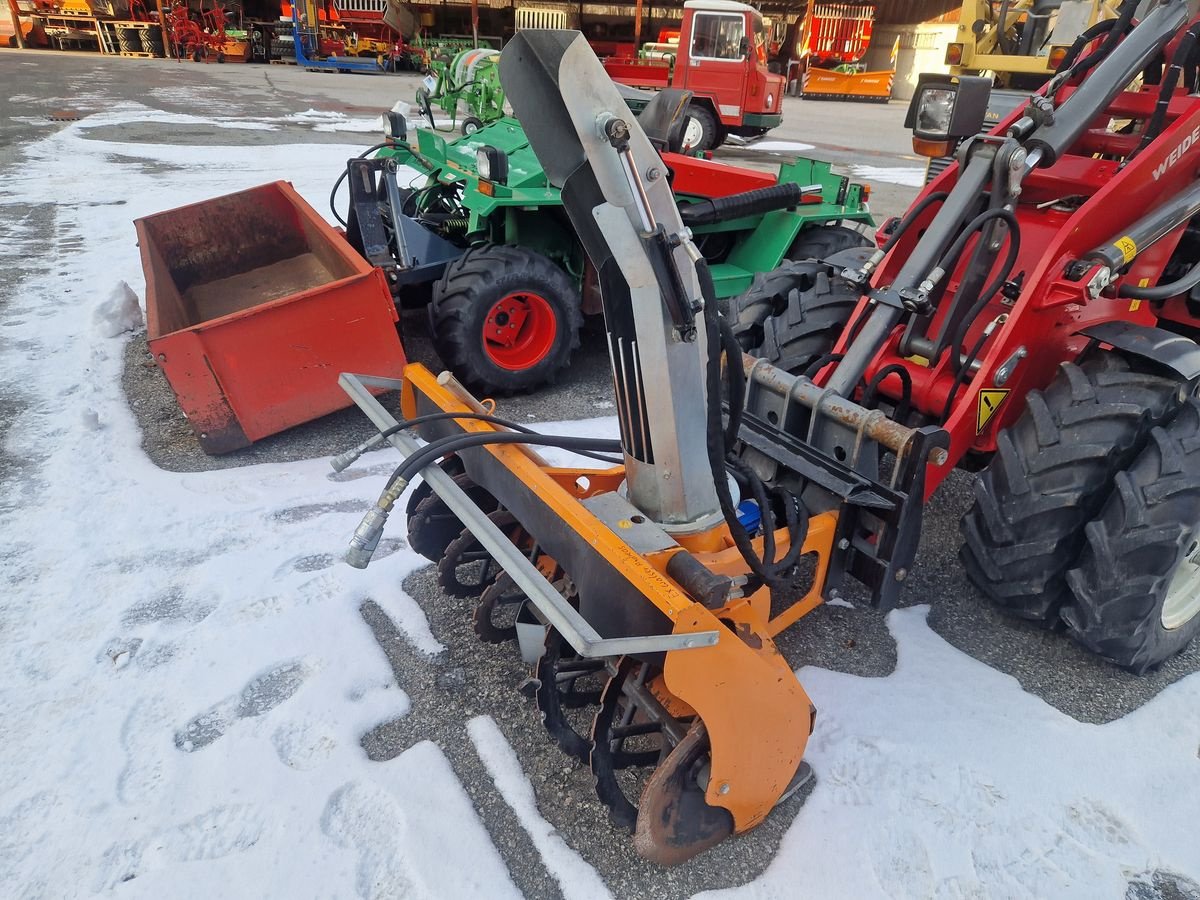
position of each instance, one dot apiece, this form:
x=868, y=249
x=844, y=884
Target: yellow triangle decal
x=989, y=402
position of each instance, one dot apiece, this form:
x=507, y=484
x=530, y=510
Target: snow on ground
x=772, y=146
x=184, y=673
x=909, y=176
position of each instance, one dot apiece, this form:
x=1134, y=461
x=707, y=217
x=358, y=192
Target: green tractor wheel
x=505, y=319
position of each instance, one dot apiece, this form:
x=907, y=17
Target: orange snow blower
x=650, y=590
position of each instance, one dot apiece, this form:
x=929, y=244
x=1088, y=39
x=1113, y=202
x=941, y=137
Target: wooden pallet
x=136, y=55
x=283, y=62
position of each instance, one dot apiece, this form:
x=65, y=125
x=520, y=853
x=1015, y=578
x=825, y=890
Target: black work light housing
x=945, y=109
x=491, y=164
x=397, y=127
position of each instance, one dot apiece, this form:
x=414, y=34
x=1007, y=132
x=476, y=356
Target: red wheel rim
x=519, y=331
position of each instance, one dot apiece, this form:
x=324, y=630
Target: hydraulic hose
x=913, y=214
x=337, y=184
x=985, y=296
x=736, y=206
x=1162, y=291
x=1181, y=59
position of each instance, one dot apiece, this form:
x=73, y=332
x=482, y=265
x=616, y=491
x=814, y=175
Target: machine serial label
x=1173, y=157
x=989, y=401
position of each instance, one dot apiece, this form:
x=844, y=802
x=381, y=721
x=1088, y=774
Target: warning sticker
x=989, y=401
x=1127, y=246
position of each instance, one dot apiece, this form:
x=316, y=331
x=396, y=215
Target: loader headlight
x=491, y=164
x=945, y=109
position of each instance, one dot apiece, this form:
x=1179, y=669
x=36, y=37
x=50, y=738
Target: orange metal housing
x=757, y=715
x=254, y=305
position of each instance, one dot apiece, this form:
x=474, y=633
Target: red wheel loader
x=1032, y=308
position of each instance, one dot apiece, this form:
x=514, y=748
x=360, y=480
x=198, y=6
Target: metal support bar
x=574, y=628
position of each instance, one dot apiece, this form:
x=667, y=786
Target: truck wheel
x=1137, y=586
x=794, y=314
x=1052, y=470
x=505, y=319
x=821, y=242
x=707, y=122
x=470, y=125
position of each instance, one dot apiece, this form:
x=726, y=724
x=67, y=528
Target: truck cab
x=721, y=56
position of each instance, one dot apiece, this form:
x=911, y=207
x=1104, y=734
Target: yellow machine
x=1020, y=42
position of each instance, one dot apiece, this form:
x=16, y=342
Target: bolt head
x=724, y=788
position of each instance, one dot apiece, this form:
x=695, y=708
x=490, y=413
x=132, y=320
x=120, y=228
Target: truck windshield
x=719, y=36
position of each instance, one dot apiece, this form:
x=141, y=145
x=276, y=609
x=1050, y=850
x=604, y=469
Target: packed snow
x=909, y=176
x=185, y=675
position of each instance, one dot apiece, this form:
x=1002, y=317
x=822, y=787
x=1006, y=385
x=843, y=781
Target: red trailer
x=720, y=56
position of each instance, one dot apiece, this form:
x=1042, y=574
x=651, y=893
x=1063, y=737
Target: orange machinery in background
x=834, y=41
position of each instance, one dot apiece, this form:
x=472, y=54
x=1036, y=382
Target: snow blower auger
x=643, y=594
x=1039, y=301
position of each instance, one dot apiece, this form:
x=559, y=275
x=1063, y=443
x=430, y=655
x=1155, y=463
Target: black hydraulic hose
x=1162, y=291
x=911, y=217
x=737, y=206
x=985, y=296
x=1182, y=57
x=735, y=378
x=950, y=258
x=905, y=403
x=1082, y=41
x=963, y=373
x=408, y=469
x=479, y=417
x=715, y=442
x=337, y=184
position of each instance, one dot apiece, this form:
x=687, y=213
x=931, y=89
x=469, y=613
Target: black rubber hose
x=985, y=296
x=737, y=206
x=408, y=469
x=1162, y=291
x=1082, y=41
x=1183, y=53
x=735, y=381
x=950, y=258
x=480, y=417
x=715, y=443
x=337, y=184
x=905, y=403
x=963, y=373
x=911, y=217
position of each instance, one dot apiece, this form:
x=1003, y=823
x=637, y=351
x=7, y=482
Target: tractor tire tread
x=1051, y=473
x=454, y=311
x=1132, y=550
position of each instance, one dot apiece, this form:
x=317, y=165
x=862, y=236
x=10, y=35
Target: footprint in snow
x=174, y=607
x=366, y=819
x=214, y=834
x=262, y=694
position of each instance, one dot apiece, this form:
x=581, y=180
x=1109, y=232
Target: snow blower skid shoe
x=646, y=594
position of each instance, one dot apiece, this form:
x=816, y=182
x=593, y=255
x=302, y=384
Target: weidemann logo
x=1184, y=146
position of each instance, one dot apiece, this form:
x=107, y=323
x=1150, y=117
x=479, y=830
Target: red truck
x=721, y=57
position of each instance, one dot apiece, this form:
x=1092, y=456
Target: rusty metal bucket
x=254, y=305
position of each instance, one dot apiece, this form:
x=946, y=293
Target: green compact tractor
x=477, y=220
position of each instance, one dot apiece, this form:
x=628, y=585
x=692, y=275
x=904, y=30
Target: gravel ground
x=476, y=679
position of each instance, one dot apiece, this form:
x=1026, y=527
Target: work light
x=945, y=109
x=491, y=164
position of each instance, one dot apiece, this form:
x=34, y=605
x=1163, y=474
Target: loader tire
x=1136, y=588
x=1051, y=472
x=795, y=314
x=822, y=241
x=505, y=319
